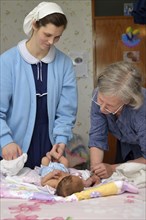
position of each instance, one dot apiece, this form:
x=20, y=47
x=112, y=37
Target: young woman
x=38, y=90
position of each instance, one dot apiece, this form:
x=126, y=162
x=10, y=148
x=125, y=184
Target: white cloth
x=12, y=167
x=131, y=172
x=43, y=9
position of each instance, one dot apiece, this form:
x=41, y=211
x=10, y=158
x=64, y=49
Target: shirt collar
x=29, y=58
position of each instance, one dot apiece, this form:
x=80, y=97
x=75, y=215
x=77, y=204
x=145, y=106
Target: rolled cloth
x=43, y=9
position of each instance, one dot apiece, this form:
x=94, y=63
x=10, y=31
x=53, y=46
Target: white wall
x=77, y=37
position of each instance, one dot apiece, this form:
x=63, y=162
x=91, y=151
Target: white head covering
x=43, y=9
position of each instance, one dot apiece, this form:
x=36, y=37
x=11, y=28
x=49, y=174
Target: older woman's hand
x=102, y=170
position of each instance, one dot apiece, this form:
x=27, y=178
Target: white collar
x=31, y=59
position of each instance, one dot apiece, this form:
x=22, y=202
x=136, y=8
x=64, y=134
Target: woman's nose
x=102, y=106
x=51, y=41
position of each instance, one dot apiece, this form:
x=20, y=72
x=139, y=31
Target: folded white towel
x=131, y=172
x=12, y=167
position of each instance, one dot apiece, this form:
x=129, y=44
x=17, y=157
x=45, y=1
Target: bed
x=120, y=197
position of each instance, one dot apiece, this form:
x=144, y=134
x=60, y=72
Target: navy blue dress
x=40, y=142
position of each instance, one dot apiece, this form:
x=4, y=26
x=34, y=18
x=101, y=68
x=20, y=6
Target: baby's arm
x=92, y=180
x=52, y=175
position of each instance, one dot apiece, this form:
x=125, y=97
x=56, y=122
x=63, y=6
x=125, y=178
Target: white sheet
x=125, y=206
x=116, y=207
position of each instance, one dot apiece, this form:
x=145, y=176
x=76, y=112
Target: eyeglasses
x=106, y=109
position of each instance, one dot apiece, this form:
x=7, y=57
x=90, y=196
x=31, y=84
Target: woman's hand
x=102, y=170
x=57, y=151
x=11, y=151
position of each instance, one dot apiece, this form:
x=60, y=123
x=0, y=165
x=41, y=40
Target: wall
x=77, y=37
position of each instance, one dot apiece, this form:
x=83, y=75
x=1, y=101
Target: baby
x=57, y=175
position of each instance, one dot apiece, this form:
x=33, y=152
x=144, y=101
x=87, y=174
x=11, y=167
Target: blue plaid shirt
x=129, y=128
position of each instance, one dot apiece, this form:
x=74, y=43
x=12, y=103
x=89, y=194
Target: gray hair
x=124, y=80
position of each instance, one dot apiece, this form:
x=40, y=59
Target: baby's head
x=69, y=185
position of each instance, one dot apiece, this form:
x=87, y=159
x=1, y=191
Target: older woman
x=118, y=106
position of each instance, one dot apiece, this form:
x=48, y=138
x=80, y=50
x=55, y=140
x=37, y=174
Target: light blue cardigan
x=18, y=99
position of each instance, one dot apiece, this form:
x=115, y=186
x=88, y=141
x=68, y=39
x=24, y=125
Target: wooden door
x=109, y=48
x=108, y=45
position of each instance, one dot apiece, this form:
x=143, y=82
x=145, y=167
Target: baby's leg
x=45, y=161
x=64, y=161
